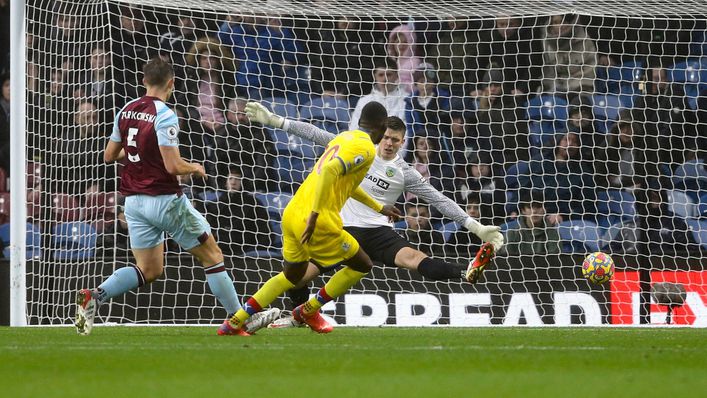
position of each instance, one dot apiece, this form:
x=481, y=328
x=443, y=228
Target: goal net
x=575, y=126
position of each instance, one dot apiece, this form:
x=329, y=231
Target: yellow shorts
x=329, y=245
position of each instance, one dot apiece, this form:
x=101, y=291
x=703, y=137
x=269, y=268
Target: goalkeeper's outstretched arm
x=258, y=113
x=416, y=184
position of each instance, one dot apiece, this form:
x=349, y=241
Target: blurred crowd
x=544, y=125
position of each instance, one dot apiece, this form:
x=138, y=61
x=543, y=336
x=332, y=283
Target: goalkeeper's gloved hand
x=487, y=233
x=260, y=114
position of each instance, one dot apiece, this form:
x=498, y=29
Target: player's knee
x=409, y=258
x=365, y=265
x=294, y=272
x=152, y=273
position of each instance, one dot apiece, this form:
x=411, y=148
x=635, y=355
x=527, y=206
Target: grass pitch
x=354, y=362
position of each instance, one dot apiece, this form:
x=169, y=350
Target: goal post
x=575, y=126
x=18, y=188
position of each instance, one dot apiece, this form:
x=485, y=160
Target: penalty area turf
x=354, y=362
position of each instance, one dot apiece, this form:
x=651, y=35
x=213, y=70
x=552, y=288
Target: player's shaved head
x=373, y=119
x=157, y=72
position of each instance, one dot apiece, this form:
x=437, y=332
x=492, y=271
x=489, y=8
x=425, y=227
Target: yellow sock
x=271, y=290
x=339, y=283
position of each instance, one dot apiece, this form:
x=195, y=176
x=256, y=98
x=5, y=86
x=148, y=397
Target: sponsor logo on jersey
x=378, y=181
x=389, y=171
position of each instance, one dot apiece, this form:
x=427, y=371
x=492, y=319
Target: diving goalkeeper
x=389, y=177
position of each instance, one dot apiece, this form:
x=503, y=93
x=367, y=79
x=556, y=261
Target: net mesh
x=575, y=126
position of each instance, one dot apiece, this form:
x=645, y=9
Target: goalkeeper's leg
x=429, y=267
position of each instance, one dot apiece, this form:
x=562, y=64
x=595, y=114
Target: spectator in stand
x=210, y=82
x=569, y=58
x=566, y=178
x=628, y=158
x=496, y=119
x=268, y=55
x=419, y=229
x=81, y=167
x=536, y=234
x=343, y=55
x=461, y=141
x=244, y=145
x=66, y=32
x=401, y=48
x=132, y=40
x=56, y=103
x=670, y=117
x=455, y=56
x=5, y=122
x=386, y=90
x=241, y=223
x=427, y=110
x=177, y=44
x=115, y=236
x=666, y=233
x=515, y=50
x=425, y=157
x=691, y=175
x=480, y=178
x=580, y=120
x=95, y=84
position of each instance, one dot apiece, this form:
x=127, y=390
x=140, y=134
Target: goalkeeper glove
x=258, y=113
x=487, y=233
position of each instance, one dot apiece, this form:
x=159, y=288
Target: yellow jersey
x=355, y=151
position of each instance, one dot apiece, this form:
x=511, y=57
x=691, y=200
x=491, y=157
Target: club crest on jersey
x=389, y=171
x=345, y=246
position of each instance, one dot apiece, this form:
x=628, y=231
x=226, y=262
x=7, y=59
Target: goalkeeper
x=389, y=177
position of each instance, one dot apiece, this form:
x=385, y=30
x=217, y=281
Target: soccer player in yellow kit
x=313, y=230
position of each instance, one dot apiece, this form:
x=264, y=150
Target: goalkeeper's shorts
x=149, y=217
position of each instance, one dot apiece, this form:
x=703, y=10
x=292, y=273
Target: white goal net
x=576, y=126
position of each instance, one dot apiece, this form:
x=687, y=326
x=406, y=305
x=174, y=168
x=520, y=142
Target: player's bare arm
x=113, y=152
x=175, y=165
x=414, y=183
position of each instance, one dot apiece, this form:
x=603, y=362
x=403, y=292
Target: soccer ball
x=598, y=268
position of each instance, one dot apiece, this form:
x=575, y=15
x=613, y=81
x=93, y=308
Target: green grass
x=354, y=362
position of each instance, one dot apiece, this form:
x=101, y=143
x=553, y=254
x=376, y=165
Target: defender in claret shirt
x=145, y=134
